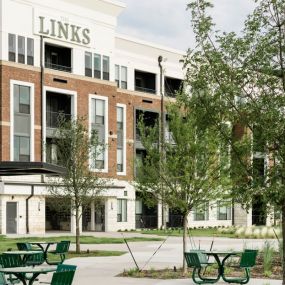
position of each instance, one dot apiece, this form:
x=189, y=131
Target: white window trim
x=32, y=134
x=73, y=108
x=124, y=139
x=91, y=96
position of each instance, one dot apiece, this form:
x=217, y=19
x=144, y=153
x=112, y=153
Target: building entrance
x=58, y=217
x=11, y=217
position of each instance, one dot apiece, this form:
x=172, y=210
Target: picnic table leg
x=35, y=275
x=21, y=277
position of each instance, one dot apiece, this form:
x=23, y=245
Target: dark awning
x=15, y=168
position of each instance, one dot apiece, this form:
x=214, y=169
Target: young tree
x=191, y=166
x=245, y=78
x=79, y=187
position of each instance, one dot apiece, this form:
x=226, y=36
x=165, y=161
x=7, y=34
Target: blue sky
x=167, y=22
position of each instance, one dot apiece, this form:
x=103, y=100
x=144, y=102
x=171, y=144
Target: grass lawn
x=6, y=243
x=193, y=232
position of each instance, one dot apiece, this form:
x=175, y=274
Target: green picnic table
x=23, y=254
x=21, y=272
x=197, y=259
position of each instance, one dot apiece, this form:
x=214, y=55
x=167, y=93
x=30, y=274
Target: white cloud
x=167, y=22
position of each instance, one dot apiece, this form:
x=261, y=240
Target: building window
x=97, y=66
x=21, y=148
x=22, y=123
x=21, y=49
x=106, y=67
x=12, y=47
x=30, y=51
x=122, y=210
x=124, y=77
x=224, y=210
x=201, y=213
x=117, y=75
x=121, y=143
x=98, y=120
x=121, y=76
x=88, y=64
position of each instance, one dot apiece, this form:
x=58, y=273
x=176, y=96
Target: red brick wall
x=83, y=87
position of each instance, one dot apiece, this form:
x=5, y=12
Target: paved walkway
x=103, y=270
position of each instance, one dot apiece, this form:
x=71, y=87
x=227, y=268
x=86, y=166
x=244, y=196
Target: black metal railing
x=146, y=221
x=54, y=118
x=145, y=90
x=58, y=67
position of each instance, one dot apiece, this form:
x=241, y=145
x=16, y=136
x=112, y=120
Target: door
x=11, y=217
x=100, y=218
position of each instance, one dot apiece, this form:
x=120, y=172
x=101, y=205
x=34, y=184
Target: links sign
x=61, y=30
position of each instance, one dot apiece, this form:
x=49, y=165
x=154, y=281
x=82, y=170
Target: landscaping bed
x=270, y=269
x=253, y=232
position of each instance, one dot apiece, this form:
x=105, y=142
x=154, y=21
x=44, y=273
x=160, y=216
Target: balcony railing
x=144, y=89
x=53, y=118
x=58, y=67
x=146, y=221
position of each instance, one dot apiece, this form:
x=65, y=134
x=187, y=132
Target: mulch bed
x=173, y=273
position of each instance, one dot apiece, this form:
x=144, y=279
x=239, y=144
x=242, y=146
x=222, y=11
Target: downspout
x=42, y=97
x=162, y=136
x=27, y=209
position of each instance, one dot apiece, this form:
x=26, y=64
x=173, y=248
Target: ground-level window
x=224, y=210
x=122, y=210
x=201, y=213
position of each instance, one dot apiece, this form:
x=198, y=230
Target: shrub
x=268, y=251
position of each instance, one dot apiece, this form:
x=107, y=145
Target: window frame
x=228, y=206
x=124, y=148
x=205, y=212
x=12, y=124
x=121, y=218
x=106, y=113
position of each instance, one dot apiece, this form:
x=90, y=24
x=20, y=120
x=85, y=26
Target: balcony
x=172, y=86
x=145, y=82
x=54, y=118
x=58, y=58
x=58, y=67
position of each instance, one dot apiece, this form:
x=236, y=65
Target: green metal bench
x=62, y=278
x=247, y=261
x=197, y=260
x=61, y=250
x=63, y=268
x=9, y=261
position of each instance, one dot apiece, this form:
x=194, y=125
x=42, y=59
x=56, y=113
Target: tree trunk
x=283, y=239
x=185, y=226
x=163, y=216
x=77, y=238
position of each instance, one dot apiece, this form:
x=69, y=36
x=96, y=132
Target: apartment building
x=65, y=57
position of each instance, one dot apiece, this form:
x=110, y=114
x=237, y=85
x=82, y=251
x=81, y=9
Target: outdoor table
x=221, y=263
x=20, y=272
x=24, y=254
x=44, y=246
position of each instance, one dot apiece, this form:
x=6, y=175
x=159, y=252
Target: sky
x=167, y=22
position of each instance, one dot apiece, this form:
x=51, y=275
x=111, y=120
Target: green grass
x=6, y=243
x=208, y=232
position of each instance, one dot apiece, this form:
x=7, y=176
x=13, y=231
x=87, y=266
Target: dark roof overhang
x=15, y=168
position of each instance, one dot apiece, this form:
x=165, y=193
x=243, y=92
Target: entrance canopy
x=15, y=168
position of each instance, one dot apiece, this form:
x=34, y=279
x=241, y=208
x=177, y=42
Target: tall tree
x=76, y=151
x=191, y=167
x=245, y=77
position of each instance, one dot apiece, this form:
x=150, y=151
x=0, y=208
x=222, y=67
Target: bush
x=268, y=252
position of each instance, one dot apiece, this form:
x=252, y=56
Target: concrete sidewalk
x=103, y=270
